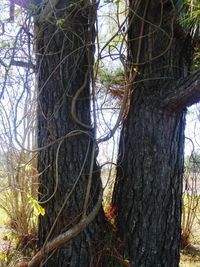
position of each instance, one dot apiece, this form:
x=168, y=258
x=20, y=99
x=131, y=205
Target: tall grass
x=19, y=184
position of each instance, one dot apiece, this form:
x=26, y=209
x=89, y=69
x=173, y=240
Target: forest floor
x=190, y=257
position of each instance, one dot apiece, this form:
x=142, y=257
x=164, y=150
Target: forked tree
x=148, y=187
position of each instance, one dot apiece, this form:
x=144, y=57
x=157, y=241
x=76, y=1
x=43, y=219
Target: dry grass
x=3, y=218
x=190, y=257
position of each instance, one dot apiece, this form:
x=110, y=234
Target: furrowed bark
x=64, y=51
x=148, y=190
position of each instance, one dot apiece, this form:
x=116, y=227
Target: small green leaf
x=4, y=45
x=3, y=256
x=37, y=207
x=60, y=22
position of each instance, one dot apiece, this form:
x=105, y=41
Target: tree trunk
x=148, y=187
x=64, y=66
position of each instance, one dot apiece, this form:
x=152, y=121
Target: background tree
x=19, y=183
x=148, y=188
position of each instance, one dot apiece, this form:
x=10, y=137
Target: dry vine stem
x=63, y=238
x=74, y=100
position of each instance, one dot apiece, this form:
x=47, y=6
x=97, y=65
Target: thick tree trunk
x=148, y=187
x=64, y=64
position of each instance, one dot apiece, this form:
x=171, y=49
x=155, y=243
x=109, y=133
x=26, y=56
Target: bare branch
x=185, y=93
x=22, y=64
x=63, y=238
x=2, y=28
x=12, y=11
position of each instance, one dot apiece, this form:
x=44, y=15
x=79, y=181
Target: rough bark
x=64, y=62
x=148, y=187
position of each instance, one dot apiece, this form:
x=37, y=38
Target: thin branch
x=2, y=28
x=22, y=64
x=18, y=63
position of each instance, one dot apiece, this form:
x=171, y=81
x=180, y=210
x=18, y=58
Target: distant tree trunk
x=64, y=64
x=148, y=187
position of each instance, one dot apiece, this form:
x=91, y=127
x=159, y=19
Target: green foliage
x=111, y=77
x=4, y=45
x=179, y=4
x=112, y=1
x=193, y=11
x=39, y=210
x=190, y=17
x=60, y=22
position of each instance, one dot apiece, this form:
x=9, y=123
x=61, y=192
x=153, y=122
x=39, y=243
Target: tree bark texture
x=64, y=53
x=148, y=187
